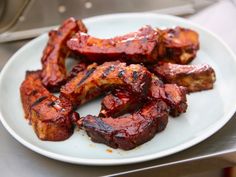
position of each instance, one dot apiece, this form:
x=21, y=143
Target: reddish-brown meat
x=91, y=82
x=136, y=47
x=55, y=52
x=79, y=67
x=175, y=98
x=147, y=45
x=50, y=117
x=193, y=77
x=121, y=101
x=180, y=45
x=129, y=131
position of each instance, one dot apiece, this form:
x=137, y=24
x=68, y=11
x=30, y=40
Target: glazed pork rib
x=50, y=117
x=179, y=45
x=193, y=77
x=119, y=102
x=129, y=131
x=56, y=51
x=93, y=81
x=147, y=45
x=136, y=47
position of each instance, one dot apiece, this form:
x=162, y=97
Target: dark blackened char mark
x=39, y=100
x=108, y=70
x=34, y=92
x=102, y=124
x=135, y=75
x=88, y=73
x=52, y=104
x=81, y=66
x=121, y=73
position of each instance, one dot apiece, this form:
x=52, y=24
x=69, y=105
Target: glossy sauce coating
x=50, y=117
x=147, y=45
x=127, y=132
x=54, y=55
x=93, y=81
x=193, y=77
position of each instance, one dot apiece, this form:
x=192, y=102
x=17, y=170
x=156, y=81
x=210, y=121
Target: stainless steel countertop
x=217, y=151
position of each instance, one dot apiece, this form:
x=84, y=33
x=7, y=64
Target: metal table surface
x=217, y=151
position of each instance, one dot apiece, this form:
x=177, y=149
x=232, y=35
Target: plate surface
x=207, y=111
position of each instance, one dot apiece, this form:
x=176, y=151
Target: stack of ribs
x=144, y=77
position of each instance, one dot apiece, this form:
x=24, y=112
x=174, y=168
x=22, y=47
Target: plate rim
x=130, y=160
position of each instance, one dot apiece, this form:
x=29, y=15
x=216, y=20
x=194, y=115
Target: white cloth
x=219, y=18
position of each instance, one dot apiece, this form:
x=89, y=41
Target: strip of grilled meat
x=121, y=101
x=93, y=81
x=55, y=52
x=193, y=77
x=179, y=45
x=129, y=131
x=137, y=47
x=147, y=45
x=50, y=117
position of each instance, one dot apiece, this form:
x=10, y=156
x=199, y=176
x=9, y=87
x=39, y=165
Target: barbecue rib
x=137, y=47
x=193, y=77
x=147, y=45
x=50, y=117
x=55, y=52
x=175, y=98
x=91, y=82
x=129, y=131
x=180, y=45
x=121, y=101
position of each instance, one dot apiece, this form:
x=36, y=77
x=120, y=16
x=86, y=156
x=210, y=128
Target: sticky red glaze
x=130, y=131
x=193, y=77
x=50, y=117
x=147, y=45
x=56, y=51
x=93, y=81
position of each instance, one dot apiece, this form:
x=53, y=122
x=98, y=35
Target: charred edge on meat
x=88, y=73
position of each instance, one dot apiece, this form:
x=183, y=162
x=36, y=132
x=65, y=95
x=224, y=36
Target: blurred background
x=22, y=20
x=38, y=16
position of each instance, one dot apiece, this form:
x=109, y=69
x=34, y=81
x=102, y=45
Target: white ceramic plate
x=207, y=112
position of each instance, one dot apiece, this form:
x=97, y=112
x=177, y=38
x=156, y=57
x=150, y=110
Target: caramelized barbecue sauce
x=87, y=74
x=39, y=100
x=54, y=55
x=107, y=71
x=89, y=84
x=136, y=47
x=128, y=131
